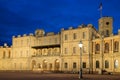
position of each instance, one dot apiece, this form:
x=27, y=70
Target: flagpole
x=100, y=8
x=101, y=13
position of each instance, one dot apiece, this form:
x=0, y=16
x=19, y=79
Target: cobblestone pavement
x=51, y=76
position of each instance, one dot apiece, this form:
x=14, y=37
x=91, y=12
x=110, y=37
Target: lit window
x=116, y=64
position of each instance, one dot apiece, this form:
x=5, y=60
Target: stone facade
x=60, y=52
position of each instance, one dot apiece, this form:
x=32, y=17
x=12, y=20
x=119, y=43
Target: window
x=83, y=35
x=74, y=36
x=74, y=65
x=97, y=64
x=9, y=54
x=107, y=33
x=65, y=50
x=3, y=54
x=97, y=48
x=66, y=65
x=66, y=37
x=106, y=47
x=84, y=64
x=74, y=49
x=116, y=46
x=116, y=64
x=107, y=23
x=106, y=64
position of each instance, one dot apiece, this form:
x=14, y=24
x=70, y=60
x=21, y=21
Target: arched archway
x=57, y=65
x=44, y=65
x=33, y=64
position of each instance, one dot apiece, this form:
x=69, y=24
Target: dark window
x=97, y=48
x=9, y=54
x=107, y=23
x=116, y=46
x=107, y=33
x=66, y=65
x=3, y=54
x=74, y=36
x=74, y=65
x=106, y=64
x=84, y=64
x=97, y=64
x=106, y=47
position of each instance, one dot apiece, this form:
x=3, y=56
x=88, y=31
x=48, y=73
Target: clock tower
x=106, y=26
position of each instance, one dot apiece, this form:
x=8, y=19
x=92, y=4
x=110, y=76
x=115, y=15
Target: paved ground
x=49, y=76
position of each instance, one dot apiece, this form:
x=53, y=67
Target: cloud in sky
x=25, y=16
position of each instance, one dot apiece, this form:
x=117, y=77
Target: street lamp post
x=80, y=72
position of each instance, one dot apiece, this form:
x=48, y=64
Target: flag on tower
x=100, y=7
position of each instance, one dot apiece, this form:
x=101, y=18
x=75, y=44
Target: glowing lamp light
x=80, y=44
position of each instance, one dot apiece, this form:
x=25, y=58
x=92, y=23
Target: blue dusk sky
x=18, y=17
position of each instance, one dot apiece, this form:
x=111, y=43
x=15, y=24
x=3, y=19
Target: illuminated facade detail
x=60, y=52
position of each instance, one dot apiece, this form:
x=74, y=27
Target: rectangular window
x=84, y=35
x=66, y=37
x=84, y=64
x=74, y=65
x=74, y=49
x=74, y=36
x=66, y=65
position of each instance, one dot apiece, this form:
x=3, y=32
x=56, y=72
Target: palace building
x=60, y=52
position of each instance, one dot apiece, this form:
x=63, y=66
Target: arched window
x=107, y=33
x=97, y=48
x=74, y=65
x=116, y=46
x=97, y=64
x=106, y=47
x=116, y=64
x=106, y=64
